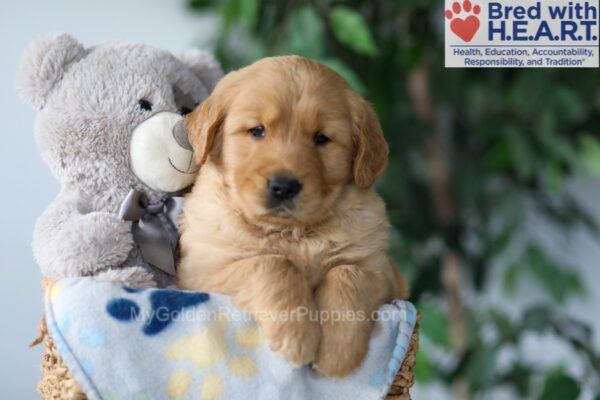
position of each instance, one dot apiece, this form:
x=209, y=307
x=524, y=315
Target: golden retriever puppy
x=283, y=216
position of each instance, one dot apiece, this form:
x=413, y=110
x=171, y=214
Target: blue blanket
x=122, y=343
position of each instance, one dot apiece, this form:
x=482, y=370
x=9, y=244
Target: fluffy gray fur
x=87, y=102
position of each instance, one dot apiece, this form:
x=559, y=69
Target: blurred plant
x=473, y=153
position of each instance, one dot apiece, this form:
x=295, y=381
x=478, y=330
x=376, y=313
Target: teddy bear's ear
x=43, y=65
x=204, y=65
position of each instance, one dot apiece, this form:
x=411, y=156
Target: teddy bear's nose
x=180, y=135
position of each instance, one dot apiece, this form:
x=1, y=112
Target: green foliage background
x=472, y=151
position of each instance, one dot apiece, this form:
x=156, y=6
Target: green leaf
x=434, y=325
x=230, y=12
x=519, y=375
x=248, y=12
x=537, y=319
x=498, y=244
x=346, y=72
x=480, y=369
x=523, y=158
x=199, y=5
x=239, y=12
x=579, y=331
x=559, y=281
x=590, y=151
x=555, y=176
x=511, y=278
x=560, y=386
x=502, y=322
x=555, y=145
x=567, y=214
x=350, y=29
x=568, y=103
x=423, y=368
x=305, y=34
x=416, y=3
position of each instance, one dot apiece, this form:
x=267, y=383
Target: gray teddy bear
x=110, y=126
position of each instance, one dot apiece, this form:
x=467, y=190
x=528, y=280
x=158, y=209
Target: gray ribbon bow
x=152, y=224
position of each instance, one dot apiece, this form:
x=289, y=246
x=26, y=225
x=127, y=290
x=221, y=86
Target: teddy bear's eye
x=145, y=105
x=185, y=110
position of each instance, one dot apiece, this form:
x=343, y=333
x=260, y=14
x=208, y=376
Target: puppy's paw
x=295, y=340
x=342, y=349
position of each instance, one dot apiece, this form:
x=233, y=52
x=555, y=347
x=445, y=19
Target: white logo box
x=521, y=33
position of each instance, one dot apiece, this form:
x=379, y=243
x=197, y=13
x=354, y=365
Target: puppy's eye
x=145, y=105
x=185, y=110
x=320, y=139
x=257, y=131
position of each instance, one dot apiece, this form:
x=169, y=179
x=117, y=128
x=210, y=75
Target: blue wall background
x=27, y=185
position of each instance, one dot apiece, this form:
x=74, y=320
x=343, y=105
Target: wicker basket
x=57, y=383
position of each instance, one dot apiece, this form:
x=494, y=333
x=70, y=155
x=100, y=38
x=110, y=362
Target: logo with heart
x=465, y=28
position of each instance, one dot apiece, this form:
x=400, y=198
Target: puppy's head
x=288, y=134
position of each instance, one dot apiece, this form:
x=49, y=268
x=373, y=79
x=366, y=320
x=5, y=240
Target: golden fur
x=327, y=252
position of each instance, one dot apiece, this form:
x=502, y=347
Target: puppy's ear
x=203, y=125
x=371, y=148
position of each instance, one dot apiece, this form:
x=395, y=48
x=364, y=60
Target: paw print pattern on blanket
x=205, y=350
x=99, y=329
x=166, y=305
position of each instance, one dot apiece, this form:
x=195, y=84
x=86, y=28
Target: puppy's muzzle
x=282, y=188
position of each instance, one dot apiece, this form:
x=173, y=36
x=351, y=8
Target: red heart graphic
x=465, y=28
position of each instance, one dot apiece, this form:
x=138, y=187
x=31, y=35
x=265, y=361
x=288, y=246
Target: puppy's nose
x=284, y=187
